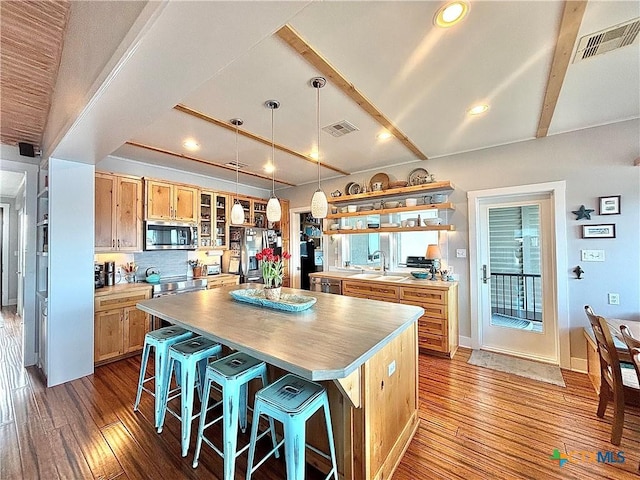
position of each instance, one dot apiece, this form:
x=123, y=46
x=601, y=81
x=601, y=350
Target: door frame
x=560, y=297
x=5, y=207
x=294, y=244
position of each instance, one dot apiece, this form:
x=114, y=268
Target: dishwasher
x=326, y=285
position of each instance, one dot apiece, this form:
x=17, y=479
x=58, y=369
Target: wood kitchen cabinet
x=167, y=201
x=118, y=213
x=119, y=327
x=217, y=281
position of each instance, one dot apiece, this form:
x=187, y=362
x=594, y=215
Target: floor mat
x=518, y=366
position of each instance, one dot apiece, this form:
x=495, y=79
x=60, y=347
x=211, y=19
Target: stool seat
x=160, y=340
x=233, y=373
x=292, y=400
x=192, y=356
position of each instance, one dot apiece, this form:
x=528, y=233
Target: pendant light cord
x=237, y=163
x=318, y=125
x=273, y=159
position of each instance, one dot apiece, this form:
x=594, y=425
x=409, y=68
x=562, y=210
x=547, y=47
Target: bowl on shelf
x=334, y=210
x=411, y=202
x=398, y=184
x=365, y=208
x=344, y=209
x=373, y=225
x=391, y=204
x=334, y=226
x=432, y=221
x=352, y=208
x=421, y=275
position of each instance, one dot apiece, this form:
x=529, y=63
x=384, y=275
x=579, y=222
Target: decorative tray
x=288, y=302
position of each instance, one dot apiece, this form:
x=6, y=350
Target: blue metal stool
x=192, y=356
x=160, y=340
x=233, y=373
x=292, y=400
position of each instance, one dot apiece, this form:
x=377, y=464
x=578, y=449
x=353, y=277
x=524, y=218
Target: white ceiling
x=10, y=183
x=420, y=77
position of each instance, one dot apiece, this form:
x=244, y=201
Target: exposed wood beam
x=569, y=26
x=306, y=51
x=220, y=123
x=205, y=162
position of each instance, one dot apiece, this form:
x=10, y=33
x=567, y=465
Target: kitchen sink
x=378, y=277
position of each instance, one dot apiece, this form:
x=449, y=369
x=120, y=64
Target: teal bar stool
x=192, y=356
x=292, y=400
x=160, y=340
x=233, y=373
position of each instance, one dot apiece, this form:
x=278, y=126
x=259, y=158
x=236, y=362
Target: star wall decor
x=583, y=213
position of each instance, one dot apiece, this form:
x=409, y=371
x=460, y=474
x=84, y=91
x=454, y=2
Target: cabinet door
x=108, y=335
x=136, y=326
x=185, y=206
x=105, y=212
x=220, y=238
x=129, y=214
x=159, y=200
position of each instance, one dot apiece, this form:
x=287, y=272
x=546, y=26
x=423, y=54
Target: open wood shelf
x=430, y=228
x=417, y=208
x=427, y=187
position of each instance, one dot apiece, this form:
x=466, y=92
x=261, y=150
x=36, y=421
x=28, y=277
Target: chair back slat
x=634, y=348
x=609, y=360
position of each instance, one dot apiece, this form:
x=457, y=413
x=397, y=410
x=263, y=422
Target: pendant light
x=237, y=212
x=274, y=211
x=319, y=205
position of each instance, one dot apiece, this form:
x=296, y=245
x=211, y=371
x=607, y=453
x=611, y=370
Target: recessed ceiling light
x=451, y=13
x=478, y=109
x=191, y=144
x=314, y=155
x=384, y=136
x=268, y=167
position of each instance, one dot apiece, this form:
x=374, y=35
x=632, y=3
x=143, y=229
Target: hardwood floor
x=475, y=424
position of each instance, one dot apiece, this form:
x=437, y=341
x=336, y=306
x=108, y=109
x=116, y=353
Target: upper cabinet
x=167, y=201
x=214, y=227
x=118, y=213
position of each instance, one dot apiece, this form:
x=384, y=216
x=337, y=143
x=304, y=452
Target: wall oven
x=170, y=236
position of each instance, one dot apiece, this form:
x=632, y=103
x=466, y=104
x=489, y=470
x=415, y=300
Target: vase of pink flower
x=272, y=267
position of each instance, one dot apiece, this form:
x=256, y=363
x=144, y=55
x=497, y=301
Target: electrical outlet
x=614, y=299
x=461, y=253
x=391, y=368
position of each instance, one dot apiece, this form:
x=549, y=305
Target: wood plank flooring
x=475, y=423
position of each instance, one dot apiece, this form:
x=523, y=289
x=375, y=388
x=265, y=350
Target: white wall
x=11, y=286
x=71, y=273
x=594, y=162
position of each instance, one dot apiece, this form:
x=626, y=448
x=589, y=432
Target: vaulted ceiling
x=193, y=66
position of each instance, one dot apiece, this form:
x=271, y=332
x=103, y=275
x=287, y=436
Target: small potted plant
x=197, y=268
x=272, y=267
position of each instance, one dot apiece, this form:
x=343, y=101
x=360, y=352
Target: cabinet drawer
x=118, y=300
x=428, y=341
x=430, y=309
x=370, y=290
x=423, y=295
x=434, y=326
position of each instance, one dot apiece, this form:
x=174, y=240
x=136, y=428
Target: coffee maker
x=99, y=275
x=109, y=273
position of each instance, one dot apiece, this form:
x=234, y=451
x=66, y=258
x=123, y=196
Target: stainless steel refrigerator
x=246, y=242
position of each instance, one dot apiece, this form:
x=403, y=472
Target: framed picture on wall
x=610, y=205
x=599, y=231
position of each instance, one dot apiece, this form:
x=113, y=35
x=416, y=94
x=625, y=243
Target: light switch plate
x=614, y=299
x=461, y=253
x=592, y=255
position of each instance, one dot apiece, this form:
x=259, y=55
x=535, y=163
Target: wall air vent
x=607, y=40
x=240, y=165
x=340, y=128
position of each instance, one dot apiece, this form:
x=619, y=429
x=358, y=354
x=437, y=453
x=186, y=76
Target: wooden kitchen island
x=365, y=353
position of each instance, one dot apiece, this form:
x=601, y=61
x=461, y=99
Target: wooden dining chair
x=611, y=385
x=634, y=345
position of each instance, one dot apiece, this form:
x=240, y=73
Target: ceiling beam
x=205, y=162
x=220, y=123
x=569, y=26
x=306, y=51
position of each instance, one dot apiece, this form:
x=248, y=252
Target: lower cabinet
x=438, y=327
x=221, y=280
x=119, y=327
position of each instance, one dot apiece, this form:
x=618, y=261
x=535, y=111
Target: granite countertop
x=408, y=281
x=328, y=341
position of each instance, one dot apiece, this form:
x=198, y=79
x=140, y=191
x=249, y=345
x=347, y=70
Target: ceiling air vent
x=341, y=128
x=607, y=40
x=240, y=165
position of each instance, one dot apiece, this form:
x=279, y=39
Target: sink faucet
x=384, y=260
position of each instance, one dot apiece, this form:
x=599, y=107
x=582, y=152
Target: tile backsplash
x=170, y=263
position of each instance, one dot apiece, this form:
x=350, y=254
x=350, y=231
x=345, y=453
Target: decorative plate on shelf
x=354, y=189
x=288, y=302
x=347, y=187
x=419, y=176
x=382, y=178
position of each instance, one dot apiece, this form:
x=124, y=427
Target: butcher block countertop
x=328, y=341
x=122, y=288
x=409, y=281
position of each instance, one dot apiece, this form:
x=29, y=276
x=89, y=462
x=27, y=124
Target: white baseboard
x=464, y=341
x=579, y=365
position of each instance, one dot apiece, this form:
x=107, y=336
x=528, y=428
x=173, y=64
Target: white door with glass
x=516, y=268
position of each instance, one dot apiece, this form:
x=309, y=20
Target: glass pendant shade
x=319, y=205
x=237, y=214
x=274, y=211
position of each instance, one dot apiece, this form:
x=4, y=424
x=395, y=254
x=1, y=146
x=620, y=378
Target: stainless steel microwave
x=170, y=236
